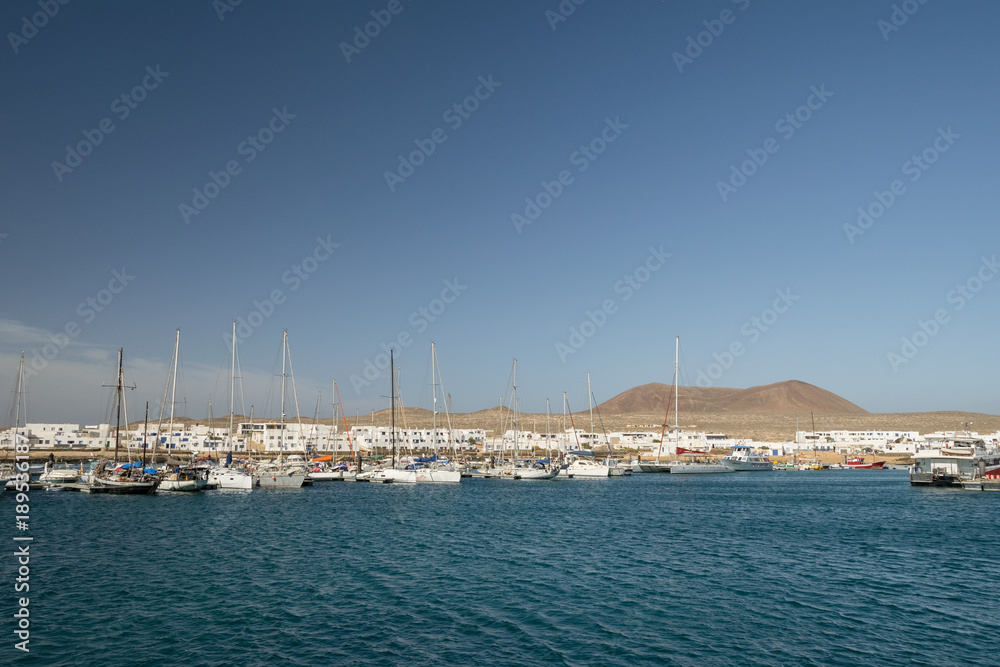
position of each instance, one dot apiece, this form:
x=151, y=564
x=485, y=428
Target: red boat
x=859, y=463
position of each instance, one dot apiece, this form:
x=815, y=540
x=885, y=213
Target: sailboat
x=516, y=469
x=228, y=477
x=19, y=476
x=323, y=467
x=125, y=478
x=180, y=479
x=584, y=463
x=694, y=467
x=277, y=474
x=389, y=474
x=436, y=469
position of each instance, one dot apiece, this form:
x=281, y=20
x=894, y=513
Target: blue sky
x=697, y=170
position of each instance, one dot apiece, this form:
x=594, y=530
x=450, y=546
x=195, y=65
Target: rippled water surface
x=821, y=568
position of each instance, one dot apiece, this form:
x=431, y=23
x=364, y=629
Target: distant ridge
x=781, y=397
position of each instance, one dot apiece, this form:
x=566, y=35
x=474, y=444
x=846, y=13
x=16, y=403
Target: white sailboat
x=391, y=474
x=582, y=462
x=517, y=469
x=228, y=477
x=694, y=467
x=277, y=474
x=437, y=470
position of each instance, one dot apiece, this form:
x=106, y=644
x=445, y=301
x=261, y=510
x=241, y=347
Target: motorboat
x=744, y=458
x=183, y=479
x=582, y=464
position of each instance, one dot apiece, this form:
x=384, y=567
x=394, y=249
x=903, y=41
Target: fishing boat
x=951, y=461
x=744, y=458
x=859, y=463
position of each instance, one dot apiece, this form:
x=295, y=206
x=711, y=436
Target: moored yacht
x=582, y=464
x=744, y=458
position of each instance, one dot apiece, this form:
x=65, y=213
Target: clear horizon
x=803, y=192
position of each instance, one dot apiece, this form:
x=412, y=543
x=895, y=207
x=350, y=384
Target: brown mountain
x=781, y=397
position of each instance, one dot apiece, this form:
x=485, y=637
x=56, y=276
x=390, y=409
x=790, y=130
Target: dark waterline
x=821, y=568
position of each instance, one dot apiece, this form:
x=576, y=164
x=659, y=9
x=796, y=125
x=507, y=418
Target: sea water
x=785, y=568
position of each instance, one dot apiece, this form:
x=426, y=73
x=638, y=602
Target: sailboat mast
x=250, y=437
x=336, y=407
x=118, y=406
x=173, y=390
x=548, y=431
x=677, y=405
x=435, y=406
x=232, y=391
x=516, y=443
x=145, y=428
x=281, y=433
x=20, y=391
x=564, y=424
x=392, y=406
x=590, y=401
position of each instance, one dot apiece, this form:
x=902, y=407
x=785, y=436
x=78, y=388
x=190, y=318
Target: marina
x=657, y=568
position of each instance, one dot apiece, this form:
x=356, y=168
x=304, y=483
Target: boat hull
x=182, y=485
x=699, y=469
x=280, y=480
x=123, y=488
x=749, y=466
x=231, y=479
x=652, y=467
